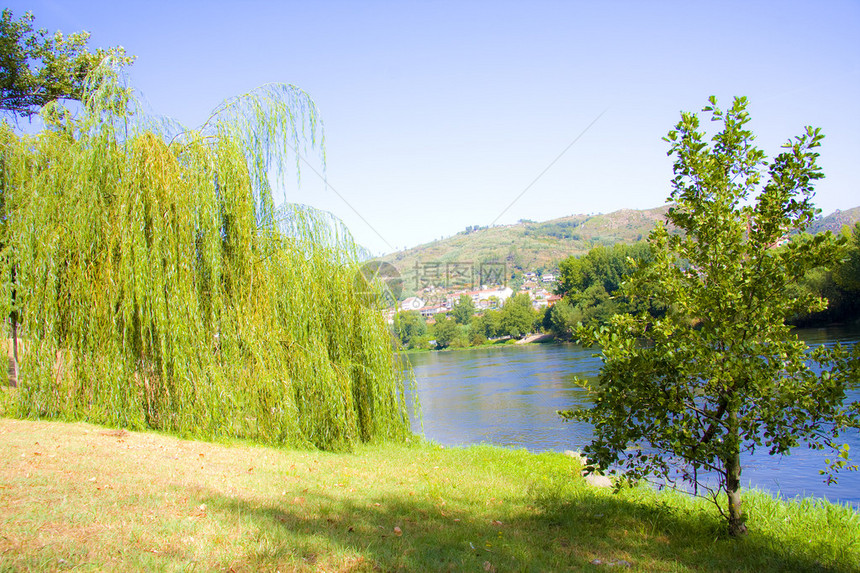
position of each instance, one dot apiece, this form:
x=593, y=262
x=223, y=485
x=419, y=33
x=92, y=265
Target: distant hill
x=528, y=245
x=835, y=221
x=539, y=246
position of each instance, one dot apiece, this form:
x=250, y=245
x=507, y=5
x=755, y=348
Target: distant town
x=432, y=300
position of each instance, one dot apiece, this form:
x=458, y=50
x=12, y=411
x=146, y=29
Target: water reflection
x=509, y=396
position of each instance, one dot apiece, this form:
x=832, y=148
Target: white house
x=412, y=303
x=501, y=294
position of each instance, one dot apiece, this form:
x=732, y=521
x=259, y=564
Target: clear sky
x=438, y=115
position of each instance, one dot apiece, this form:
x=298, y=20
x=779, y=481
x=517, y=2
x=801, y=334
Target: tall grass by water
x=154, y=283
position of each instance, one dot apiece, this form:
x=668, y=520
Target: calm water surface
x=508, y=396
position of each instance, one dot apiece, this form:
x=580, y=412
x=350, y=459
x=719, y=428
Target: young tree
x=720, y=374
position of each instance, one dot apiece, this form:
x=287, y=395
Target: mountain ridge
x=528, y=246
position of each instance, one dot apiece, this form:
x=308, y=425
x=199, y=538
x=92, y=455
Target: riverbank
x=505, y=342
x=509, y=396
x=82, y=496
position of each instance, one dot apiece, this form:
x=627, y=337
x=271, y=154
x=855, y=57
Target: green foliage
x=591, y=285
x=476, y=338
x=463, y=310
x=472, y=229
x=489, y=324
x=411, y=329
x=840, y=287
x=594, y=306
x=847, y=274
x=720, y=374
x=37, y=68
x=517, y=316
x=448, y=333
x=604, y=266
x=561, y=319
x=160, y=288
x=556, y=230
x=840, y=305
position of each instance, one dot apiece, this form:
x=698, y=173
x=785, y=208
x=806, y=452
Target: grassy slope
x=524, y=246
x=83, y=497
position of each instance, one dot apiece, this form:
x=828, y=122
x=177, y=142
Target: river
x=508, y=396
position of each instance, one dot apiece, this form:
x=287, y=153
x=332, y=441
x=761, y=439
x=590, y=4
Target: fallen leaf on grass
x=397, y=531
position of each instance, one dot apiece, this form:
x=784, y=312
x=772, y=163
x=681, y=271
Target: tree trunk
x=13, y=316
x=733, y=478
x=13, y=360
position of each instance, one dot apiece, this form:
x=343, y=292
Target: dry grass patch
x=76, y=496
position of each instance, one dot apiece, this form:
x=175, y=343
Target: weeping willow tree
x=158, y=286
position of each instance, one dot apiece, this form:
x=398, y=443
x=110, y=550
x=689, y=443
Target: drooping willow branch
x=160, y=287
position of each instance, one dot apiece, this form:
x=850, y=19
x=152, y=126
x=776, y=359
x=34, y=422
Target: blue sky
x=438, y=115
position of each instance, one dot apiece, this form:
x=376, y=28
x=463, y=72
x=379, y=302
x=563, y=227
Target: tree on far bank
x=410, y=328
x=839, y=285
x=720, y=374
x=590, y=285
x=561, y=319
x=517, y=316
x=604, y=266
x=463, y=310
x=447, y=332
x=847, y=275
x=488, y=324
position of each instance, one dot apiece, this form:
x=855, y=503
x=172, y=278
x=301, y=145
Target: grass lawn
x=82, y=497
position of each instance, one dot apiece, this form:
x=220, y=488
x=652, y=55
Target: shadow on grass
x=553, y=533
